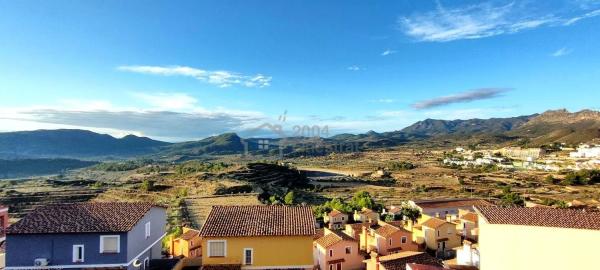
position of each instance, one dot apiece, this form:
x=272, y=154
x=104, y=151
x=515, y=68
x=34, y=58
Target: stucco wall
x=527, y=247
x=268, y=251
x=383, y=244
x=352, y=261
x=22, y=250
x=137, y=241
x=431, y=238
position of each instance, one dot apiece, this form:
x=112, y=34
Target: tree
x=274, y=200
x=410, y=213
x=390, y=218
x=147, y=185
x=289, y=198
x=362, y=199
x=510, y=198
x=550, y=179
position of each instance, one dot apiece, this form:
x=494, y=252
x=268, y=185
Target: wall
x=3, y=221
x=527, y=247
x=352, y=261
x=431, y=236
x=22, y=250
x=384, y=245
x=268, y=251
x=137, y=241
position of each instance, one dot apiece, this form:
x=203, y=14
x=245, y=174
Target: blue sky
x=181, y=70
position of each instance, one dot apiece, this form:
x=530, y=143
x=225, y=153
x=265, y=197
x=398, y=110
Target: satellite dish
x=137, y=263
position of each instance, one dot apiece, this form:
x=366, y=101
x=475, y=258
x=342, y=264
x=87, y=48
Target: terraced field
x=197, y=208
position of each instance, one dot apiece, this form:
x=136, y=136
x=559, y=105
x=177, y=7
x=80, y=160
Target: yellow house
x=188, y=244
x=538, y=238
x=437, y=234
x=258, y=237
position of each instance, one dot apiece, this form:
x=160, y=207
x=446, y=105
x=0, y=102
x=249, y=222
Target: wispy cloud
x=220, y=78
x=157, y=121
x=468, y=96
x=354, y=68
x=388, y=52
x=384, y=100
x=483, y=20
x=561, y=52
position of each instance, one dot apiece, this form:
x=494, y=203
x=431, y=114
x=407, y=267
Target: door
x=338, y=266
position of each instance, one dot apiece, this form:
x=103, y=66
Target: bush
x=400, y=166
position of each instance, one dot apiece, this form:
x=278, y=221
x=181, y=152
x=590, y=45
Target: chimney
x=410, y=225
x=448, y=218
x=375, y=259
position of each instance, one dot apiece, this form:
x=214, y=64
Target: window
x=390, y=242
x=331, y=253
x=348, y=250
x=449, y=231
x=438, y=232
x=331, y=267
x=217, y=248
x=78, y=253
x=342, y=218
x=110, y=244
x=248, y=256
x=403, y=240
x=147, y=230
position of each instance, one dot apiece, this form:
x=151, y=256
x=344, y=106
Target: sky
x=185, y=70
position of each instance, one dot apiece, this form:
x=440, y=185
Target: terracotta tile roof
x=189, y=235
x=386, y=230
x=434, y=223
x=472, y=217
x=414, y=266
x=333, y=238
x=82, y=218
x=357, y=227
x=366, y=211
x=451, y=203
x=258, y=220
x=334, y=213
x=542, y=217
x=319, y=233
x=398, y=261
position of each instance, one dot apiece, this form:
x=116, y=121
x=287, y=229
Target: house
x=87, y=236
x=467, y=224
x=258, y=237
x=438, y=234
x=337, y=250
x=187, y=245
x=538, y=238
x=366, y=215
x=3, y=222
x=392, y=210
x=466, y=255
x=385, y=238
x=336, y=219
x=355, y=229
x=441, y=207
x=399, y=261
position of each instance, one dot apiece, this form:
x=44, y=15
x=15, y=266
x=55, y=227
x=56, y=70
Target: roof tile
x=542, y=217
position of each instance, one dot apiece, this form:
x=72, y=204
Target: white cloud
x=220, y=78
x=384, y=100
x=354, y=68
x=561, y=52
x=482, y=20
x=387, y=52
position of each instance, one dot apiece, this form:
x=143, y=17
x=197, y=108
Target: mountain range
x=530, y=130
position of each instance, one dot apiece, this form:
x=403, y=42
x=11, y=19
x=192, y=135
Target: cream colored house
x=467, y=225
x=438, y=234
x=336, y=219
x=366, y=215
x=538, y=238
x=337, y=250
